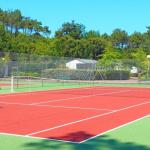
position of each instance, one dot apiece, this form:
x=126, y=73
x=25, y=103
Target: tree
x=120, y=38
x=139, y=55
x=2, y=17
x=96, y=47
x=46, y=31
x=136, y=40
x=146, y=43
x=110, y=53
x=25, y=24
x=5, y=39
x=110, y=57
x=17, y=17
x=13, y=20
x=92, y=34
x=75, y=30
x=148, y=30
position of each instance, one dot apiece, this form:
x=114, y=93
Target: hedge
x=66, y=74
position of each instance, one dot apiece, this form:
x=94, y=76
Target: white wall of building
x=73, y=64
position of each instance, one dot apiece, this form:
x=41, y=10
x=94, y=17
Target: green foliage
x=27, y=74
x=15, y=22
x=92, y=34
x=117, y=75
x=21, y=34
x=119, y=38
x=139, y=55
x=96, y=46
x=136, y=39
x=72, y=29
x=110, y=54
x=66, y=74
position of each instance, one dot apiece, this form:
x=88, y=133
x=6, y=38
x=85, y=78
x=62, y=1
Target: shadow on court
x=99, y=143
x=76, y=137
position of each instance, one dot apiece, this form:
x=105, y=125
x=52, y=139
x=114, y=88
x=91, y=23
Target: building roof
x=86, y=61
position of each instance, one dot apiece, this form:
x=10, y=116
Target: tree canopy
x=22, y=34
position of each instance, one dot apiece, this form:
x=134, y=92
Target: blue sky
x=101, y=15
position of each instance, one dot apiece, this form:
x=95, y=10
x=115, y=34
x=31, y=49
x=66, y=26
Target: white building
x=81, y=64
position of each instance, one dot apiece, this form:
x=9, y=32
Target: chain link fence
x=43, y=72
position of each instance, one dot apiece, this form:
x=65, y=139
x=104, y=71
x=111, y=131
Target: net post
x=12, y=84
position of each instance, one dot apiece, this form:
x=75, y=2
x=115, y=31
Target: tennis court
x=72, y=115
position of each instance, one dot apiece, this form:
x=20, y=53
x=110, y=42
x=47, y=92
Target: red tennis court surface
x=7, y=84
x=74, y=115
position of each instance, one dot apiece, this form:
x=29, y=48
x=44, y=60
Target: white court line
x=53, y=106
x=71, y=107
x=66, y=99
x=85, y=119
x=13, y=103
x=115, y=128
x=59, y=90
x=81, y=97
x=40, y=138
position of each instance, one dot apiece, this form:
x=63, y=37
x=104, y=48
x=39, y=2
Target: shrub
x=66, y=74
x=117, y=75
